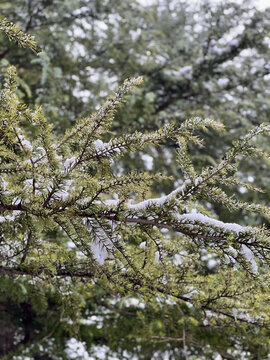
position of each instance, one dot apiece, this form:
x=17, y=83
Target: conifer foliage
x=15, y=33
x=67, y=221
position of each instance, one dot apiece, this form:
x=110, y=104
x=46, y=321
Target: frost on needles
x=67, y=185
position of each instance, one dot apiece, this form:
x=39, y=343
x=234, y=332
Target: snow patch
x=69, y=162
x=161, y=200
x=101, y=147
x=76, y=350
x=222, y=82
x=142, y=245
x=148, y=161
x=134, y=302
x=234, y=42
x=248, y=254
x=25, y=143
x=198, y=217
x=99, y=252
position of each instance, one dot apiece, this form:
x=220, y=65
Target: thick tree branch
x=18, y=207
x=63, y=272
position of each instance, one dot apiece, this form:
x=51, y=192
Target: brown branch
x=47, y=200
x=4, y=53
x=166, y=338
x=142, y=221
x=10, y=271
x=114, y=309
x=4, y=270
x=19, y=207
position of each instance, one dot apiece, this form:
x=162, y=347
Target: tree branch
x=18, y=207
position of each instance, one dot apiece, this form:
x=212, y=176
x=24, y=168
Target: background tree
x=207, y=60
x=147, y=104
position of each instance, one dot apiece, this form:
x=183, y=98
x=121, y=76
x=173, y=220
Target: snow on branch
x=15, y=33
x=69, y=187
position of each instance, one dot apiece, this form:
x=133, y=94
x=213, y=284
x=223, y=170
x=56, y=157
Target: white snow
x=64, y=192
x=4, y=184
x=222, y=82
x=111, y=202
x=69, y=162
x=135, y=34
x=25, y=143
x=177, y=259
x=28, y=183
x=258, y=63
x=148, y=161
x=197, y=28
x=94, y=320
x=142, y=245
x=99, y=252
x=76, y=350
x=212, y=263
x=61, y=194
x=266, y=41
x=234, y=42
x=134, y=302
x=198, y=217
x=102, y=146
x=248, y=254
x=161, y=200
x=218, y=50
x=143, y=204
x=12, y=217
x=185, y=69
